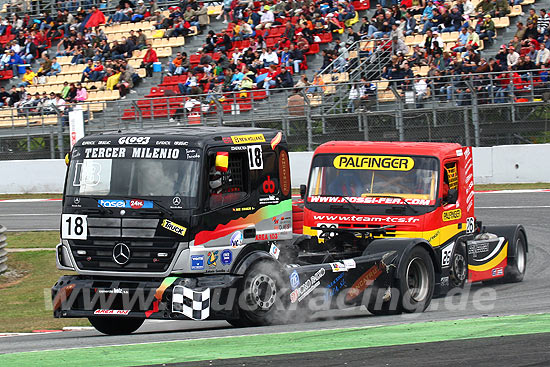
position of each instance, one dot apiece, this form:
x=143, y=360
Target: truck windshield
x=373, y=179
x=130, y=177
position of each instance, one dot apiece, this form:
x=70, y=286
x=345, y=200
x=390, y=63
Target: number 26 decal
x=74, y=227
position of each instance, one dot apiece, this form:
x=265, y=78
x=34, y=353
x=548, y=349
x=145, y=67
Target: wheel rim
x=263, y=291
x=417, y=279
x=459, y=268
x=520, y=256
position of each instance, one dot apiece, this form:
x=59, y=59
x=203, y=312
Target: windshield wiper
x=343, y=197
x=401, y=198
x=162, y=208
x=98, y=201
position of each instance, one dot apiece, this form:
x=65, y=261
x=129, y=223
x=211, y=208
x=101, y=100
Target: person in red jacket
x=149, y=59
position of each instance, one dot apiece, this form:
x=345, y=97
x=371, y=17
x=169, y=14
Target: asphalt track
x=531, y=296
x=523, y=350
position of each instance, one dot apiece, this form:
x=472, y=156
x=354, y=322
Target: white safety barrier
x=492, y=165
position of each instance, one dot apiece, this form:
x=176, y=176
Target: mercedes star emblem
x=176, y=201
x=121, y=253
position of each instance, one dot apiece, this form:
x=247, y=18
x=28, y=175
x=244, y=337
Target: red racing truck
x=413, y=190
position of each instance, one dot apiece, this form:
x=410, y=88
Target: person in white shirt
x=542, y=55
x=512, y=58
x=468, y=7
x=266, y=19
x=269, y=57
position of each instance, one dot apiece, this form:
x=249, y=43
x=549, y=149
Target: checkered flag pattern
x=193, y=304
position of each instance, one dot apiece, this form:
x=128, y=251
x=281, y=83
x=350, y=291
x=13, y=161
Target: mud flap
x=190, y=303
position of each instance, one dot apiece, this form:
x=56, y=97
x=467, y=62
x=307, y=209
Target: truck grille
x=96, y=253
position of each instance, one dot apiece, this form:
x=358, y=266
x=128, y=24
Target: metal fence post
x=3, y=252
x=365, y=118
x=475, y=120
x=309, y=132
x=466, y=127
x=60, y=143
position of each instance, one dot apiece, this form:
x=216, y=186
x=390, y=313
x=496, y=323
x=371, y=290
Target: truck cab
x=420, y=190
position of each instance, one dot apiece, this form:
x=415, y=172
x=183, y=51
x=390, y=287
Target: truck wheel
x=515, y=270
x=459, y=268
x=416, y=281
x=414, y=290
x=260, y=295
x=116, y=325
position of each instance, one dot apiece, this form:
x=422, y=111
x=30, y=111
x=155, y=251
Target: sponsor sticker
x=369, y=200
x=112, y=291
x=212, y=258
x=131, y=204
x=134, y=140
x=349, y=263
x=236, y=239
x=197, y=262
x=374, y=162
x=449, y=215
x=226, y=257
x=338, y=267
x=268, y=199
x=284, y=173
x=174, y=227
x=497, y=272
x=247, y=139
x=309, y=285
x=274, y=251
x=268, y=186
x=111, y=312
x=294, y=280
x=364, y=281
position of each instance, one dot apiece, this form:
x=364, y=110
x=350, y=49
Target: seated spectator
x=29, y=51
x=81, y=93
x=149, y=59
x=269, y=57
x=140, y=12
x=125, y=82
x=296, y=104
x=267, y=18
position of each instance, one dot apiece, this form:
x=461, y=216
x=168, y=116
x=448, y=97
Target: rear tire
x=515, y=270
x=414, y=290
x=116, y=325
x=459, y=268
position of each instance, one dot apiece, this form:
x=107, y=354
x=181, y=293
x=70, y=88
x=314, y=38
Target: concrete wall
x=38, y=176
x=500, y=164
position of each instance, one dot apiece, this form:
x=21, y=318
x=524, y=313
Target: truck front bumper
x=172, y=298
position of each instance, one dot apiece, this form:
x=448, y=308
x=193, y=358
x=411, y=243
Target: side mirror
x=303, y=191
x=452, y=196
x=67, y=159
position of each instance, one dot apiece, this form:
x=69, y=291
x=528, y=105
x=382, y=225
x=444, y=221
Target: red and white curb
x=44, y=331
x=27, y=200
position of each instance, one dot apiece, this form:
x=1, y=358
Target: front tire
x=260, y=296
x=116, y=325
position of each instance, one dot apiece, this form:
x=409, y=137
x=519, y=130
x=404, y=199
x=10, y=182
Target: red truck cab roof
x=439, y=150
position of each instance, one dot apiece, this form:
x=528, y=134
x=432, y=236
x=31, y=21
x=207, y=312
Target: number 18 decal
x=74, y=227
x=255, y=160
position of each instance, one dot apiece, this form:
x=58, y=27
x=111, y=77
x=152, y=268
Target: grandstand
x=358, y=85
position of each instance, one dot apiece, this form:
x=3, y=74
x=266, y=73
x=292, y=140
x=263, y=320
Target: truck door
x=453, y=214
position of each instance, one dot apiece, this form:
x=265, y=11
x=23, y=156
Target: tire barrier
x=3, y=252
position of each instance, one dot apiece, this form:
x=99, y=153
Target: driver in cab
x=346, y=183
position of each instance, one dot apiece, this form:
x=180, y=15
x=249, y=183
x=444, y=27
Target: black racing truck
x=196, y=223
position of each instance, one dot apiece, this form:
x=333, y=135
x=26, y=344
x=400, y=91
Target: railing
x=3, y=252
x=35, y=8
x=477, y=109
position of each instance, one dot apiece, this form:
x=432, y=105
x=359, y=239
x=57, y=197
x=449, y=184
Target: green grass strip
x=284, y=343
